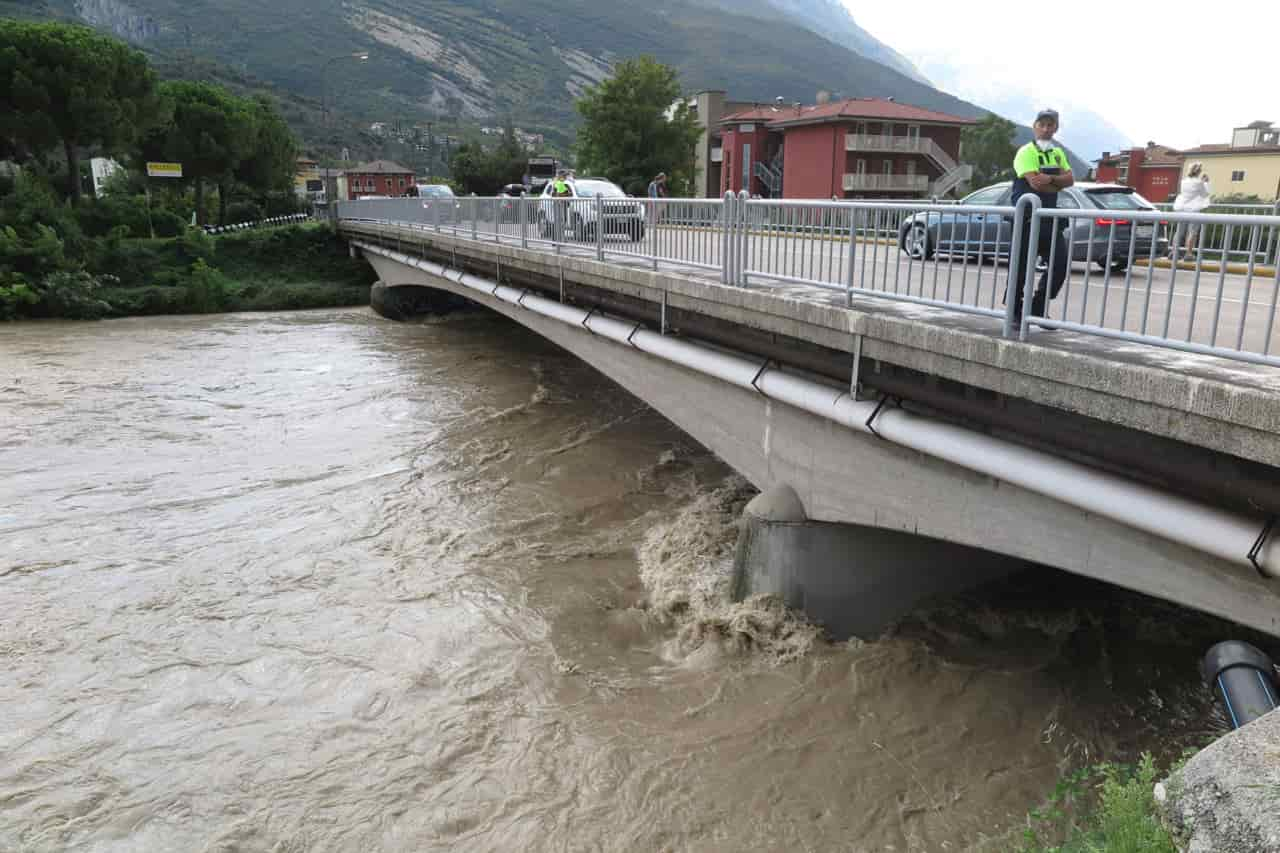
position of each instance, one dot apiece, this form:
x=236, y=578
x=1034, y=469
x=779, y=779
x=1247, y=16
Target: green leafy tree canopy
x=988, y=146
x=630, y=132
x=210, y=134
x=69, y=85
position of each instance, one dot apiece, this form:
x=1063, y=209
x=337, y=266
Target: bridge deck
x=1227, y=406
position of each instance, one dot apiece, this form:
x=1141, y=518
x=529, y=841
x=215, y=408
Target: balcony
x=866, y=142
x=886, y=183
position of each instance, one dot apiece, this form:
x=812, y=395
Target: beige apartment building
x=1248, y=165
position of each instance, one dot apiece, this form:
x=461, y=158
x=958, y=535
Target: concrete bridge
x=928, y=449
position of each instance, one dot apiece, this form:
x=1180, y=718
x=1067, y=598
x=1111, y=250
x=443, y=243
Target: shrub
x=16, y=296
x=208, y=289
x=71, y=295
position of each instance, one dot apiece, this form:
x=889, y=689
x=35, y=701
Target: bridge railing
x=1206, y=303
x=1126, y=277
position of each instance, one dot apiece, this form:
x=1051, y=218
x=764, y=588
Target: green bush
x=16, y=296
x=72, y=295
x=208, y=289
x=243, y=211
x=1121, y=818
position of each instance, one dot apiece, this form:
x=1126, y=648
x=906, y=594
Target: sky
x=1180, y=74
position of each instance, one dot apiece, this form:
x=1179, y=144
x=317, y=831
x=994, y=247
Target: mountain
x=484, y=59
x=828, y=19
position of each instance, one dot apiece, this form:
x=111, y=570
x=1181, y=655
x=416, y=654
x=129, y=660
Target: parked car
x=438, y=200
x=990, y=234
x=508, y=196
x=621, y=215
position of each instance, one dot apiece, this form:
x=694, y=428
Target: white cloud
x=1179, y=74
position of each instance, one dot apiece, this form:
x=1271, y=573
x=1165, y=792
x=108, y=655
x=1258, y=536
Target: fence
x=1120, y=282
x=257, y=223
x=1215, y=240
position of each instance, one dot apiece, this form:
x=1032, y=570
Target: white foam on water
x=686, y=565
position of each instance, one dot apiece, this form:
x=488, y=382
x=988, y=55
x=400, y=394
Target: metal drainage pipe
x=1239, y=539
x=1244, y=678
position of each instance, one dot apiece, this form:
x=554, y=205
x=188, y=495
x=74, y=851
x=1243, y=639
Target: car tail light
x=1110, y=222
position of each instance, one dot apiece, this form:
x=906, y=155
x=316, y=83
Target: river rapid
x=317, y=581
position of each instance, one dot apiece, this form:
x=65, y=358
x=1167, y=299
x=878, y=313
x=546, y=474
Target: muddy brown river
x=322, y=582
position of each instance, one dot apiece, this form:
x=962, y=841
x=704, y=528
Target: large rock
x=1227, y=798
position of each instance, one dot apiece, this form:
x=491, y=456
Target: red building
x=1153, y=171
x=381, y=177
x=855, y=148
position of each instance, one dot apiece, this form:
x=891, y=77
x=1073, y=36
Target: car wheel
x=916, y=243
x=1117, y=265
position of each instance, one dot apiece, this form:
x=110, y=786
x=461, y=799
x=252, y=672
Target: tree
x=69, y=85
x=272, y=162
x=485, y=173
x=210, y=133
x=988, y=146
x=630, y=132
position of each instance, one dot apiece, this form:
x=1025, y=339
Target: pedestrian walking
x=1193, y=196
x=1041, y=167
x=658, y=186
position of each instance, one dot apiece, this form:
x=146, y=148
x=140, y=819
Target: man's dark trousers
x=1054, y=276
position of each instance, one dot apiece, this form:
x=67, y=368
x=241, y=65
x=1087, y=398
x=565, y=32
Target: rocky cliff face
x=119, y=18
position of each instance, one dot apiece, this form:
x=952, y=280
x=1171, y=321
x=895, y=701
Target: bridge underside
x=843, y=476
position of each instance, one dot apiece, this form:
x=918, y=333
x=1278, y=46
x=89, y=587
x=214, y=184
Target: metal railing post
x=435, y=215
x=726, y=228
x=475, y=218
x=1029, y=202
x=1028, y=287
x=522, y=215
x=557, y=223
x=599, y=228
x=743, y=237
x=850, y=256
x=1273, y=238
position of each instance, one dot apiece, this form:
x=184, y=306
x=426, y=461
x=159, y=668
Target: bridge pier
x=852, y=579
x=400, y=302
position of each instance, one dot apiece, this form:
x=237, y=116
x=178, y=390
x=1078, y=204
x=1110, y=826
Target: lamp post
x=359, y=56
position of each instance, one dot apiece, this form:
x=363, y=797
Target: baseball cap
x=1047, y=113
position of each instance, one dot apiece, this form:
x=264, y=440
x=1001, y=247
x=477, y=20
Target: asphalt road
x=1212, y=308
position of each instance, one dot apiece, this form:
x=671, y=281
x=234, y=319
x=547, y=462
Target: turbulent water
x=318, y=581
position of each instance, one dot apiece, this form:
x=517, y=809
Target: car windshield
x=1117, y=199
x=435, y=192
x=604, y=189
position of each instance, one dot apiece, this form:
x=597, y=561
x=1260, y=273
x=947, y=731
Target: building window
x=1122, y=174
x=400, y=183
x=862, y=166
x=888, y=167
x=1237, y=176
x=911, y=167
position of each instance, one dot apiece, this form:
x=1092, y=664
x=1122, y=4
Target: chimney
x=822, y=97
x=890, y=99
x=797, y=106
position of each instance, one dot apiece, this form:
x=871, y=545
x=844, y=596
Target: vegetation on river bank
x=1105, y=808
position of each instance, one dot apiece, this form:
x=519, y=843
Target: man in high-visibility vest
x=1041, y=167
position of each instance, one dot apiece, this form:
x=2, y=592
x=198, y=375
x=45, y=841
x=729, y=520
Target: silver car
x=989, y=235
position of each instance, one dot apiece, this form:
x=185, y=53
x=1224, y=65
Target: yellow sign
x=164, y=170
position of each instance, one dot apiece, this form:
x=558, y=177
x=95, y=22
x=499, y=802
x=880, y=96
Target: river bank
x=284, y=267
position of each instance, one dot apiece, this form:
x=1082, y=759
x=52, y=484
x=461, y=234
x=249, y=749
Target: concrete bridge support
x=852, y=579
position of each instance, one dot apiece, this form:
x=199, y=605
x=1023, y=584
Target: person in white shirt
x=1193, y=197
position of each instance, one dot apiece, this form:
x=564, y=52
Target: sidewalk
x=1233, y=267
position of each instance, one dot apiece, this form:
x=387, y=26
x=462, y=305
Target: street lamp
x=359, y=56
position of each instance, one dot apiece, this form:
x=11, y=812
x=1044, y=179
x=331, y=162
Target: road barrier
x=1221, y=299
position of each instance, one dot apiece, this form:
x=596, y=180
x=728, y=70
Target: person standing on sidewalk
x=1193, y=197
x=1041, y=167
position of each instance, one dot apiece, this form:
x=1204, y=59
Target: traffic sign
x=164, y=170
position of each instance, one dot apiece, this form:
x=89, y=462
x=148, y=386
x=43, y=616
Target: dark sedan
x=989, y=235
